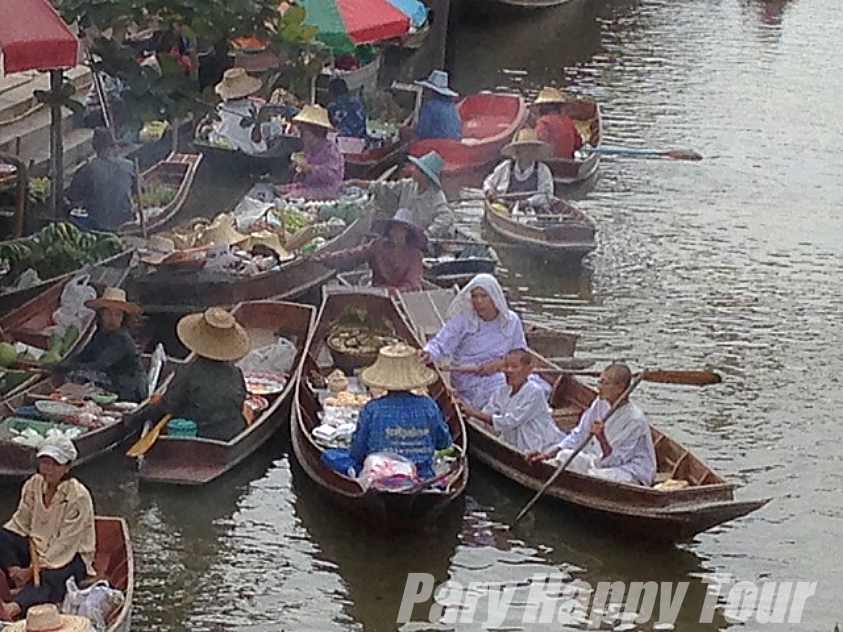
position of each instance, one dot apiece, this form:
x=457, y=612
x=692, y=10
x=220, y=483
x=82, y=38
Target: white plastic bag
x=275, y=358
x=97, y=602
x=72, y=310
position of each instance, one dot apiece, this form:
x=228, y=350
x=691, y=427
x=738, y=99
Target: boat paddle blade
x=145, y=443
x=683, y=154
x=691, y=378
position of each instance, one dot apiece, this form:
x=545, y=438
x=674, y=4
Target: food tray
x=264, y=383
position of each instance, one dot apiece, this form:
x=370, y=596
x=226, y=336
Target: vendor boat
x=589, y=122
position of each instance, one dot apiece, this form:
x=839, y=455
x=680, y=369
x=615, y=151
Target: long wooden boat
x=17, y=461
x=385, y=510
x=370, y=163
x=457, y=261
x=114, y=561
x=184, y=291
x=567, y=233
x=27, y=323
x=589, y=122
x=489, y=121
x=198, y=460
x=176, y=171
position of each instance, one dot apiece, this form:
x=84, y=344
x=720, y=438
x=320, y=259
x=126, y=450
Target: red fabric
x=369, y=21
x=560, y=133
x=34, y=37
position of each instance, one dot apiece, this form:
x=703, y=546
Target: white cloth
x=498, y=181
x=506, y=320
x=523, y=420
x=229, y=128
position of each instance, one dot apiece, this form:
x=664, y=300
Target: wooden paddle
x=145, y=443
x=618, y=403
x=690, y=378
x=673, y=154
x=35, y=564
x=139, y=192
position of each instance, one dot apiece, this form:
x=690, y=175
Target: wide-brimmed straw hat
x=236, y=84
x=431, y=165
x=46, y=618
x=551, y=95
x=526, y=142
x=403, y=217
x=214, y=334
x=398, y=368
x=314, y=115
x=221, y=232
x=114, y=298
x=438, y=82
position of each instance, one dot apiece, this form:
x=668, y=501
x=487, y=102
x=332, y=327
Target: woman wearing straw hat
x=51, y=536
x=411, y=426
x=553, y=127
x=438, y=116
x=209, y=391
x=46, y=618
x=111, y=358
x=522, y=173
x=395, y=258
x=320, y=167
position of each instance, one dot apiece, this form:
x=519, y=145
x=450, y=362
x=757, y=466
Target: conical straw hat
x=551, y=95
x=214, y=334
x=527, y=141
x=271, y=240
x=221, y=232
x=398, y=368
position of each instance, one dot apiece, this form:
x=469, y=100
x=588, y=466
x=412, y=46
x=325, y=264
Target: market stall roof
x=34, y=37
x=344, y=24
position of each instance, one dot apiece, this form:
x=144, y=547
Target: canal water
x=732, y=262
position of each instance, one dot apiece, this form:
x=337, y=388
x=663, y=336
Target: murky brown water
x=732, y=262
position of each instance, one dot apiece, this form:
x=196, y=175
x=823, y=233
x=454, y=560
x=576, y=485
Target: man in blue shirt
x=439, y=116
x=347, y=112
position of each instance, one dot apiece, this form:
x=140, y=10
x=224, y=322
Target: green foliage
x=305, y=56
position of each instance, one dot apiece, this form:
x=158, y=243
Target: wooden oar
x=145, y=443
x=35, y=564
x=139, y=187
x=690, y=378
x=618, y=403
x=674, y=154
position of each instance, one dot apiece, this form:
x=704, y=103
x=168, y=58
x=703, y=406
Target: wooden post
x=56, y=146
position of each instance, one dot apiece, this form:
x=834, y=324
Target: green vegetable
x=157, y=195
x=71, y=335
x=8, y=354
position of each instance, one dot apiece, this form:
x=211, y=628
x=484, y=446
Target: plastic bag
x=72, y=310
x=97, y=602
x=278, y=357
x=388, y=472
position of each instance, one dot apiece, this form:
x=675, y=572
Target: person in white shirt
x=518, y=410
x=522, y=172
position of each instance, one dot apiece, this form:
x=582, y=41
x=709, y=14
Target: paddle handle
x=690, y=378
x=561, y=468
x=145, y=443
x=35, y=564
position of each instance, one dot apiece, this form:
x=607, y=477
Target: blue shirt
x=439, y=118
x=408, y=425
x=348, y=116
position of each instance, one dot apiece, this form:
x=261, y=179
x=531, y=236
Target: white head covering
x=462, y=304
x=60, y=449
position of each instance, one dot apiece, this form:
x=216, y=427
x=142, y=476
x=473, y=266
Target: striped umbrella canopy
x=345, y=24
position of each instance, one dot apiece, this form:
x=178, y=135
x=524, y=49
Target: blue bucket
x=185, y=428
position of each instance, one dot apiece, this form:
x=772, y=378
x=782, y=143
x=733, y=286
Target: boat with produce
x=378, y=155
x=92, y=418
x=182, y=460
x=564, y=233
x=166, y=187
x=589, y=123
x=114, y=562
x=351, y=327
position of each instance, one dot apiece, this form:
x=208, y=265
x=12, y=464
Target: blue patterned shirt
x=408, y=425
x=349, y=116
x=439, y=118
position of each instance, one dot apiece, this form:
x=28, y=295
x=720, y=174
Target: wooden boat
x=489, y=122
x=27, y=323
x=17, y=461
x=177, y=171
x=386, y=510
x=533, y=4
x=16, y=298
x=197, y=461
x=565, y=234
x=114, y=561
x=184, y=291
x=457, y=261
x=589, y=121
x=371, y=163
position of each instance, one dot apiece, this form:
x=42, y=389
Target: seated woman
x=320, y=168
x=52, y=531
x=522, y=173
x=553, y=127
x=110, y=359
x=395, y=258
x=347, y=112
x=480, y=330
x=209, y=391
x=411, y=426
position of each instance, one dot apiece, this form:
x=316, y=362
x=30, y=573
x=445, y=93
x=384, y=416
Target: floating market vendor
x=401, y=423
x=621, y=448
x=522, y=172
x=438, y=116
x=479, y=331
x=209, y=391
x=346, y=111
x=421, y=193
x=104, y=187
x=52, y=531
x=553, y=126
x=395, y=258
x=110, y=359
x=320, y=167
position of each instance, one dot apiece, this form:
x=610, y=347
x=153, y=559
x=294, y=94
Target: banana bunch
x=61, y=232
x=15, y=252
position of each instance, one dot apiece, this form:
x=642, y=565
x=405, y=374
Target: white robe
x=523, y=420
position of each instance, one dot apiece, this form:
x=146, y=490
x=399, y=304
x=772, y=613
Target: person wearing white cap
x=438, y=116
x=51, y=536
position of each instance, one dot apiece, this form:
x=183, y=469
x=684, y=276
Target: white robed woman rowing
x=479, y=331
